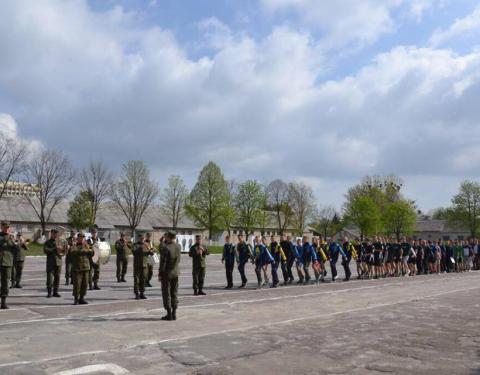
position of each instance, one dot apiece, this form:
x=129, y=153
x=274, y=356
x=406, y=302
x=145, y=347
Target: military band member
x=94, y=275
x=149, y=244
x=19, y=261
x=168, y=274
x=80, y=254
x=121, y=247
x=54, y=252
x=7, y=250
x=228, y=258
x=198, y=253
x=71, y=241
x=141, y=252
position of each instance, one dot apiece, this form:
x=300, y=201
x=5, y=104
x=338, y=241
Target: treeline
x=375, y=206
x=465, y=209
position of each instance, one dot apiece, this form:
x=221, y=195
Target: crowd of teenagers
x=375, y=258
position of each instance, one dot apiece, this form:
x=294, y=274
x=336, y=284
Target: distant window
x=446, y=238
x=30, y=228
x=460, y=238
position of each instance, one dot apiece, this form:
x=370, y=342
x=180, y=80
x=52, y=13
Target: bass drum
x=101, y=253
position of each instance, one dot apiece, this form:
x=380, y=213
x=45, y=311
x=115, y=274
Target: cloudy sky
x=315, y=90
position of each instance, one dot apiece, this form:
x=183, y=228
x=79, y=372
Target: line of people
x=377, y=258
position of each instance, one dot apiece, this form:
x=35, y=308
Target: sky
x=320, y=91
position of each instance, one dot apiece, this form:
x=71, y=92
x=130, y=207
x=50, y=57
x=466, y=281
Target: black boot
x=49, y=292
x=90, y=286
x=95, y=286
x=55, y=293
x=18, y=286
x=118, y=280
x=201, y=292
x=4, y=303
x=123, y=279
x=195, y=292
x=81, y=301
x=75, y=302
x=168, y=316
x=142, y=296
x=137, y=296
x=174, y=314
x=67, y=282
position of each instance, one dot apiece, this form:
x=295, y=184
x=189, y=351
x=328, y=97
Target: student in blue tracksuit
x=309, y=256
x=228, y=258
x=298, y=251
x=287, y=247
x=258, y=254
x=243, y=252
x=279, y=260
x=334, y=250
x=266, y=260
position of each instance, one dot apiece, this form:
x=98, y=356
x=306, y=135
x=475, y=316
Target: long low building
x=110, y=221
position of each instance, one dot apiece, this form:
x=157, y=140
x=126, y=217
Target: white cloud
x=461, y=28
x=344, y=22
x=8, y=125
x=255, y=106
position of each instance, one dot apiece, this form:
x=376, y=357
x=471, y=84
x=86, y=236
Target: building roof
x=431, y=225
x=17, y=209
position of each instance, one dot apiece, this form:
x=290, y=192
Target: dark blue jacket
x=334, y=250
x=228, y=254
x=309, y=253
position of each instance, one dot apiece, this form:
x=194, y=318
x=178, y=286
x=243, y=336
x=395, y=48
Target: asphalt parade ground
x=408, y=325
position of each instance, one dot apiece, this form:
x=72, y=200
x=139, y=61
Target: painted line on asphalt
x=226, y=303
x=247, y=328
x=111, y=368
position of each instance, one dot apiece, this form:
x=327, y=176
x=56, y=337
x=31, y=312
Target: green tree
x=400, y=218
x=363, y=212
x=80, y=211
x=466, y=207
x=249, y=205
x=207, y=200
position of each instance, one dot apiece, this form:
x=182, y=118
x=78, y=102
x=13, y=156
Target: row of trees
x=217, y=204
x=375, y=206
x=465, y=209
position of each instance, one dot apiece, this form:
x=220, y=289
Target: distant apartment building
x=19, y=189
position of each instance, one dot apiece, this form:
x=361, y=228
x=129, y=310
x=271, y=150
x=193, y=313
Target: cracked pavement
x=423, y=324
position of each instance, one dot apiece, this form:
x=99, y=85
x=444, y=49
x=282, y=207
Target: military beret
x=5, y=223
x=54, y=230
x=122, y=234
x=171, y=233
